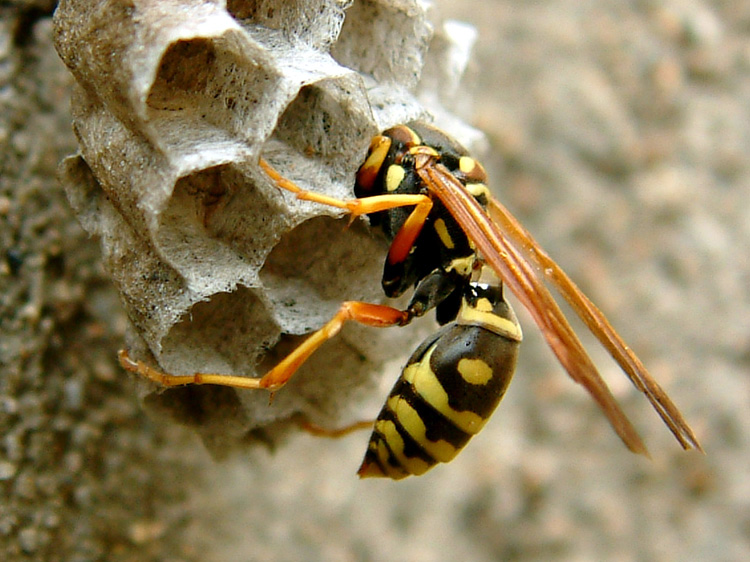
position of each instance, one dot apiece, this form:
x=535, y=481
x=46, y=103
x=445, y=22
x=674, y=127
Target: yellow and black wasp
x=432, y=202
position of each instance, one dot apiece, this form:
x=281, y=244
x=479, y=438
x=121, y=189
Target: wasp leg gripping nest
x=220, y=271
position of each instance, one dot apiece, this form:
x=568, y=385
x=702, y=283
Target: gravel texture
x=620, y=134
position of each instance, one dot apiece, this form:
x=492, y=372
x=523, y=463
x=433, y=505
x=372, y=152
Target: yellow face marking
x=393, y=177
x=368, y=172
x=442, y=232
x=412, y=465
x=425, y=383
x=409, y=419
x=378, y=150
x=475, y=316
x=474, y=371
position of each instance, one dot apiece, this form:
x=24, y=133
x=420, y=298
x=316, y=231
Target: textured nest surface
x=219, y=270
x=620, y=138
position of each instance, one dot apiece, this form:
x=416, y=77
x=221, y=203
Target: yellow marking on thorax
x=481, y=315
x=463, y=266
x=474, y=371
x=466, y=164
x=443, y=233
x=394, y=176
x=472, y=169
x=409, y=419
x=425, y=384
x=478, y=190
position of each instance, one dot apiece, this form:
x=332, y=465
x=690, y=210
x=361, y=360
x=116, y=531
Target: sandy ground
x=620, y=137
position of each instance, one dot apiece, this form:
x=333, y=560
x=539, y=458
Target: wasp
x=431, y=199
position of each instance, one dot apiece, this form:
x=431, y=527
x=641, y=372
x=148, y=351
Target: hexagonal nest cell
x=217, y=268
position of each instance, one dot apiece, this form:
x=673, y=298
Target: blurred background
x=620, y=135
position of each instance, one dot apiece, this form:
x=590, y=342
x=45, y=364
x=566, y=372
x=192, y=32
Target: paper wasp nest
x=218, y=269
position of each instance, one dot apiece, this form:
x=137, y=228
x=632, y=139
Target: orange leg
x=356, y=207
x=404, y=239
x=375, y=315
x=319, y=431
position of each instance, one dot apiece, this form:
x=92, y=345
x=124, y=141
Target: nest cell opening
x=214, y=82
x=218, y=220
x=300, y=21
x=323, y=121
x=318, y=265
x=383, y=41
x=226, y=333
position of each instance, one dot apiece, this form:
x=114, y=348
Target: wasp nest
x=219, y=270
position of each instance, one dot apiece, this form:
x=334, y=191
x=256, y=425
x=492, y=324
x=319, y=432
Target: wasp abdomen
x=446, y=393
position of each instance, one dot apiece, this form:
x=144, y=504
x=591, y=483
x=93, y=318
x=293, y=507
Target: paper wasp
x=431, y=200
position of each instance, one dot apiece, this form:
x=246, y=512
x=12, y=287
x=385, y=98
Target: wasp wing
x=597, y=323
x=522, y=264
